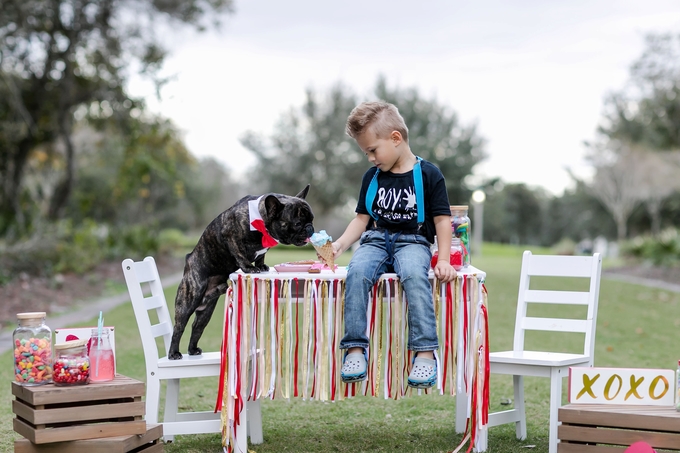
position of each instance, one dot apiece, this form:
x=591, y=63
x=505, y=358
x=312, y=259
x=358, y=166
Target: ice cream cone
x=326, y=254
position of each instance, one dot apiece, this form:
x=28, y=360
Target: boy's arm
x=443, y=270
x=352, y=234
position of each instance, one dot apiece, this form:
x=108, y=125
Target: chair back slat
x=559, y=266
x=146, y=273
x=557, y=297
x=162, y=329
x=563, y=269
x=154, y=302
x=555, y=325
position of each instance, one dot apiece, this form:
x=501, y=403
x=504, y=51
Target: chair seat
x=538, y=358
x=207, y=358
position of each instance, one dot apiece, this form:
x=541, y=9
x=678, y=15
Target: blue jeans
x=411, y=263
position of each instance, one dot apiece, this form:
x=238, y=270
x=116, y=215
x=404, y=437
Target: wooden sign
x=624, y=386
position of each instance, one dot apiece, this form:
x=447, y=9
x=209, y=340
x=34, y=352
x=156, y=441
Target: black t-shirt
x=395, y=201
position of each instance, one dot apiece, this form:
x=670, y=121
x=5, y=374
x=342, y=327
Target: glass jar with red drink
x=455, y=256
x=102, y=361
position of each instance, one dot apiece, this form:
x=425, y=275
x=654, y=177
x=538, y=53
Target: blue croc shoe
x=423, y=373
x=354, y=367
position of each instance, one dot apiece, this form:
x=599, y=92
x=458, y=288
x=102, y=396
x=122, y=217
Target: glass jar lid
x=458, y=207
x=31, y=315
x=71, y=344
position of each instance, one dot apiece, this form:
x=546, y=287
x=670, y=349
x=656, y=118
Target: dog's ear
x=303, y=193
x=273, y=206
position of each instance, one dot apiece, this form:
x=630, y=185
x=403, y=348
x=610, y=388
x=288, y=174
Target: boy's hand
x=337, y=250
x=444, y=271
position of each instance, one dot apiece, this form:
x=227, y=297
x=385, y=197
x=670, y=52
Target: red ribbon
x=267, y=239
x=223, y=352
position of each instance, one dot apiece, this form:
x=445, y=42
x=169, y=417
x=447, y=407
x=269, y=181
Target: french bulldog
x=237, y=238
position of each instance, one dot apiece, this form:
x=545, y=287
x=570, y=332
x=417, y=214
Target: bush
x=137, y=240
x=661, y=250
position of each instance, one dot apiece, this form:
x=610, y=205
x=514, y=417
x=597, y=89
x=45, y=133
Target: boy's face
x=384, y=153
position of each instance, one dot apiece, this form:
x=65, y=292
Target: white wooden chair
x=521, y=362
x=162, y=368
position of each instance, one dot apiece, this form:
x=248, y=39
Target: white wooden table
x=287, y=344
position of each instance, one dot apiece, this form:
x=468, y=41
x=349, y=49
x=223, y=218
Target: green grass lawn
x=634, y=326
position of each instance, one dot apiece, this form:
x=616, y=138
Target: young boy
x=402, y=205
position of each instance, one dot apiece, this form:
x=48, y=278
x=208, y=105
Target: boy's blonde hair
x=381, y=116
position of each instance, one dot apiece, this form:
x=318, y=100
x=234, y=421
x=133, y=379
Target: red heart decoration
x=640, y=447
x=71, y=337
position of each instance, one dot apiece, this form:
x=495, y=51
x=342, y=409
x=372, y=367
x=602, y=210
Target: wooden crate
x=48, y=413
x=611, y=429
x=147, y=443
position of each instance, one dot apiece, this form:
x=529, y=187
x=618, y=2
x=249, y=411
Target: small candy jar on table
x=71, y=363
x=32, y=350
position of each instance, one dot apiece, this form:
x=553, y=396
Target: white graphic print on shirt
x=396, y=204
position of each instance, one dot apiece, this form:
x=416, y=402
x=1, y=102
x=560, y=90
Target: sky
x=531, y=75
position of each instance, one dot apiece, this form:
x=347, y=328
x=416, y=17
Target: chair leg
x=254, y=422
x=153, y=397
x=521, y=423
x=555, y=403
x=171, y=404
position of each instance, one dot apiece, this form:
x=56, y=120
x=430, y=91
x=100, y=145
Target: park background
x=93, y=171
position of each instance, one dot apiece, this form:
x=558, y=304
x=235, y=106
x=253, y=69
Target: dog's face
x=289, y=219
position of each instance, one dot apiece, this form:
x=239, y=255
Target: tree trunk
x=621, y=227
x=10, y=210
x=654, y=210
x=63, y=190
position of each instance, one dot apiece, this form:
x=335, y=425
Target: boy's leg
x=366, y=266
x=412, y=263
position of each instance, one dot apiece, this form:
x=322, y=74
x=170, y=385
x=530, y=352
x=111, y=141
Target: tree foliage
x=514, y=215
x=58, y=56
x=309, y=145
x=647, y=110
x=636, y=155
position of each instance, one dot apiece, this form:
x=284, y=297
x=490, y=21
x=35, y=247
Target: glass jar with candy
x=460, y=228
x=32, y=350
x=71, y=363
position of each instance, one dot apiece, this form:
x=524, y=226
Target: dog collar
x=257, y=224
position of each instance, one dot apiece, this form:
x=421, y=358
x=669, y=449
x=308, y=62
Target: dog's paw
x=250, y=269
x=263, y=268
x=195, y=351
x=175, y=355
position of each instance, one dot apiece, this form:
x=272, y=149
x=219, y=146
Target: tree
x=309, y=145
x=659, y=178
x=647, y=109
x=61, y=55
x=642, y=123
x=617, y=181
x=514, y=214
